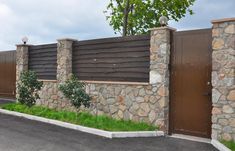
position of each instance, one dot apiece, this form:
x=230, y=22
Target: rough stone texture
x=21, y=59
x=150, y=103
x=138, y=102
x=64, y=59
x=51, y=97
x=129, y=102
x=121, y=101
x=159, y=73
x=223, y=80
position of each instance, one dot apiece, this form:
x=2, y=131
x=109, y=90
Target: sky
x=44, y=21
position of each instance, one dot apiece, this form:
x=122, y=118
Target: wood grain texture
x=113, y=59
x=43, y=60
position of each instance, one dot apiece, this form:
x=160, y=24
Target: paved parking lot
x=19, y=134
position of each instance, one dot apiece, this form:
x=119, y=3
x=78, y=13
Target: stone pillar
x=223, y=79
x=159, y=72
x=21, y=59
x=64, y=59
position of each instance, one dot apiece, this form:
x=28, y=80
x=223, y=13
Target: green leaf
x=74, y=90
x=27, y=88
x=145, y=14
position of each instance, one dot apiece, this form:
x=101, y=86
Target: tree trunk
x=125, y=18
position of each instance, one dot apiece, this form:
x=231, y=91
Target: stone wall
x=51, y=97
x=223, y=79
x=138, y=102
x=148, y=102
x=21, y=59
x=159, y=71
x=133, y=101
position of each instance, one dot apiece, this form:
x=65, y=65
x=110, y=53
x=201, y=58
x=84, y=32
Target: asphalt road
x=19, y=134
x=4, y=101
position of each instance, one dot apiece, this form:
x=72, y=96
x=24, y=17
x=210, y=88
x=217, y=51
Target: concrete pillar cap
x=223, y=20
x=66, y=39
x=23, y=45
x=161, y=28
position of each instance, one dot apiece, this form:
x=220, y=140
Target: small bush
x=74, y=90
x=27, y=88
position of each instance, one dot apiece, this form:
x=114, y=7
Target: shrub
x=27, y=88
x=74, y=90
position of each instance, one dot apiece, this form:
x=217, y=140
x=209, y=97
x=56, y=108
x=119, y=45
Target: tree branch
x=125, y=18
x=119, y=4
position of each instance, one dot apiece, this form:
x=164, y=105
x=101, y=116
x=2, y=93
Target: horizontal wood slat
x=113, y=40
x=112, y=70
x=119, y=65
x=113, y=59
x=43, y=60
x=116, y=55
x=114, y=50
x=129, y=44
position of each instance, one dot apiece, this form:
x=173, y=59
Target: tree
x=133, y=17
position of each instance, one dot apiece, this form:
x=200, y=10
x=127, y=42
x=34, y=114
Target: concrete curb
x=219, y=145
x=89, y=130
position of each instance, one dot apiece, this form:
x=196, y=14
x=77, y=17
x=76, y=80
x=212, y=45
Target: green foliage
x=28, y=87
x=229, y=144
x=144, y=14
x=82, y=118
x=74, y=90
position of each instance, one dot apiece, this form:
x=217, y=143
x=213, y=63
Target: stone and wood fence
x=129, y=77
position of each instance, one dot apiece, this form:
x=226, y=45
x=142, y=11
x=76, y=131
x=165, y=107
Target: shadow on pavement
x=5, y=101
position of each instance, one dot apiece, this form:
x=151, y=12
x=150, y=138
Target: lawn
x=82, y=118
x=229, y=144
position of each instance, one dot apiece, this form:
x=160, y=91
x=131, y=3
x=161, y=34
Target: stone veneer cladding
x=130, y=102
x=21, y=59
x=223, y=79
x=147, y=102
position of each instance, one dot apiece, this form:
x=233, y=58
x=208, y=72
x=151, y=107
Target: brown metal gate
x=7, y=74
x=190, y=107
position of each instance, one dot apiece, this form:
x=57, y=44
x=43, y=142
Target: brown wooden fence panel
x=43, y=60
x=7, y=74
x=113, y=59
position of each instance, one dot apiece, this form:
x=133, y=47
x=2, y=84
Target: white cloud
x=205, y=11
x=44, y=21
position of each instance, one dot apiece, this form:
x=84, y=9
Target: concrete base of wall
x=191, y=138
x=219, y=145
x=214, y=142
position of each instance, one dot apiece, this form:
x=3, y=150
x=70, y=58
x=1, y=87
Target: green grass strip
x=229, y=144
x=81, y=118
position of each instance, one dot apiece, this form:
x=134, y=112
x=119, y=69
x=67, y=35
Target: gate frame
x=172, y=49
x=11, y=56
